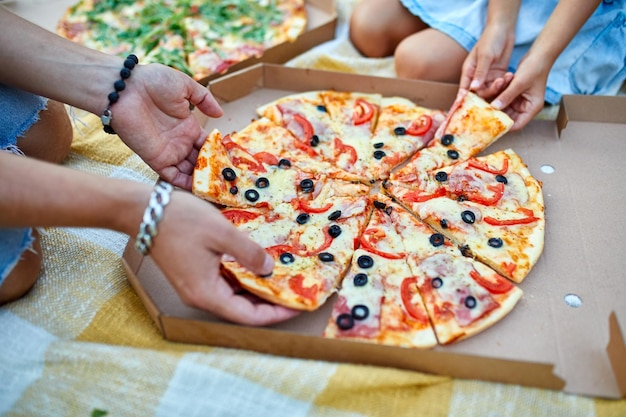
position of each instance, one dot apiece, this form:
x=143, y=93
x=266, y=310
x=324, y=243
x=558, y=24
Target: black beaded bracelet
x=119, y=85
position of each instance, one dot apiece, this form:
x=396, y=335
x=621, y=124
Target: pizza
x=389, y=210
x=200, y=38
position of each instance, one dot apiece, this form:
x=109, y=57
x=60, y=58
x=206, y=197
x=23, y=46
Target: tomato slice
x=296, y=283
x=307, y=127
x=420, y=126
x=488, y=201
x=252, y=164
x=277, y=250
x=342, y=148
x=239, y=216
x=369, y=246
x=499, y=286
x=417, y=197
x=266, y=158
x=363, y=111
x=302, y=204
x=510, y=222
x=474, y=163
x=407, y=289
x=328, y=240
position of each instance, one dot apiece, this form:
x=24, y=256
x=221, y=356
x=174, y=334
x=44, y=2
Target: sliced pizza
x=312, y=246
x=509, y=241
x=471, y=125
x=378, y=300
x=462, y=296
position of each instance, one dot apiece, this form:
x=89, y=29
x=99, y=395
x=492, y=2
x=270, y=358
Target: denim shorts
x=18, y=112
x=594, y=62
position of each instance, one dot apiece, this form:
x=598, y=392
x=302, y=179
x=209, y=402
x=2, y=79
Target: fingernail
x=268, y=266
x=475, y=84
x=497, y=104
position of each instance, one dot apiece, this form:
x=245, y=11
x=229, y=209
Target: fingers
x=467, y=73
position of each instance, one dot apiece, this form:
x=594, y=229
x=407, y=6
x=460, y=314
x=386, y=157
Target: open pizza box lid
x=321, y=26
x=566, y=333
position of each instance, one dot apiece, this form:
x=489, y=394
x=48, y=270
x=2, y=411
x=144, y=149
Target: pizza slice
x=402, y=128
x=462, y=296
x=312, y=246
x=500, y=180
x=471, y=125
x=509, y=241
x=307, y=117
x=229, y=175
x=378, y=301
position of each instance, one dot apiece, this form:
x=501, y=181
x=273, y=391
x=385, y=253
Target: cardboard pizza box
x=321, y=27
x=566, y=333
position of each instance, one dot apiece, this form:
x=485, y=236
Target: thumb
x=248, y=253
x=506, y=97
x=202, y=98
x=483, y=64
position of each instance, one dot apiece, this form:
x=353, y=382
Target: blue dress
x=593, y=63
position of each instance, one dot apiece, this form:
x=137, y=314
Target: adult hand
x=154, y=118
x=192, y=237
x=523, y=98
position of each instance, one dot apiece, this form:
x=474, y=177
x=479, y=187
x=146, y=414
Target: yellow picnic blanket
x=81, y=343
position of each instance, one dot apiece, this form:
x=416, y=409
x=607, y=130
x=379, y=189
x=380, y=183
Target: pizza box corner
x=567, y=331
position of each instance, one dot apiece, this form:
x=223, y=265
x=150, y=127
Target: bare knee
x=429, y=55
x=22, y=278
x=377, y=26
x=50, y=138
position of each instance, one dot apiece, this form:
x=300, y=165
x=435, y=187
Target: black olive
x=468, y=216
x=326, y=257
x=360, y=312
x=502, y=179
x=452, y=154
x=360, y=279
x=286, y=258
x=334, y=215
x=379, y=205
x=461, y=198
x=437, y=239
x=262, y=182
x=388, y=210
x=378, y=145
x=470, y=302
x=443, y=223
x=495, y=242
x=322, y=108
x=252, y=195
x=441, y=176
x=345, y=321
x=447, y=139
x=315, y=140
x=284, y=163
x=303, y=218
x=466, y=251
x=379, y=154
x=399, y=130
x=234, y=190
x=307, y=185
x=436, y=282
x=229, y=174
x=365, y=261
x=334, y=231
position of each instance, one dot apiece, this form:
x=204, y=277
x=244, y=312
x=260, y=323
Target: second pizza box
x=567, y=331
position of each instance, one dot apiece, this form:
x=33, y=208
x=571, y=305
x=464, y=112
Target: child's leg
x=378, y=26
x=49, y=139
x=430, y=55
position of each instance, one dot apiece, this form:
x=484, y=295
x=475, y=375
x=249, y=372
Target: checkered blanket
x=81, y=343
